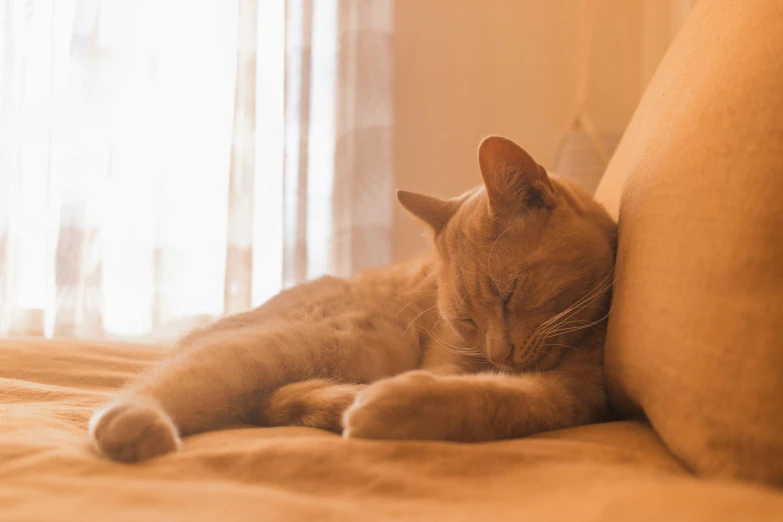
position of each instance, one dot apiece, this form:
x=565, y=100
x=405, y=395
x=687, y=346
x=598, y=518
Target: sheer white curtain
x=168, y=160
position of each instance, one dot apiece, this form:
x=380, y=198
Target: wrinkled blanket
x=617, y=471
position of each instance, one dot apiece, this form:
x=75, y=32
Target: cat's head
x=526, y=260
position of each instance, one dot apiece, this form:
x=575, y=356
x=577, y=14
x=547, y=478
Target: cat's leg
x=321, y=403
x=218, y=380
x=421, y=406
x=317, y=403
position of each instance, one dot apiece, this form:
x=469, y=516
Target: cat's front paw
x=411, y=406
x=133, y=429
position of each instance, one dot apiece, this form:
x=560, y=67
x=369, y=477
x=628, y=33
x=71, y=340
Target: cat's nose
x=500, y=352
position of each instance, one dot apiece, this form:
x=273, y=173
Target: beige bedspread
x=616, y=471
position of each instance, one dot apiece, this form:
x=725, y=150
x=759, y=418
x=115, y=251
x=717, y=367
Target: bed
x=615, y=471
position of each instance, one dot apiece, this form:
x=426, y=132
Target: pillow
x=696, y=332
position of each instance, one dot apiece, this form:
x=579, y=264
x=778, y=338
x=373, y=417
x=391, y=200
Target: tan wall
x=469, y=68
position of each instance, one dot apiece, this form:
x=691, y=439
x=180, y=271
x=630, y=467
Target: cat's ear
x=514, y=181
x=433, y=211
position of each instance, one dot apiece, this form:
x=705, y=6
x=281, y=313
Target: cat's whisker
x=568, y=313
x=433, y=294
x=440, y=320
x=563, y=331
x=489, y=257
x=600, y=288
x=565, y=314
x=569, y=323
x=590, y=296
x=562, y=322
x=568, y=330
x=462, y=350
x=468, y=354
x=465, y=351
x=555, y=346
x=576, y=328
x=453, y=310
x=572, y=322
x=410, y=303
x=456, y=347
x=417, y=317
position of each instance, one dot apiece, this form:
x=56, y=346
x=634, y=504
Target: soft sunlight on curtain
x=168, y=160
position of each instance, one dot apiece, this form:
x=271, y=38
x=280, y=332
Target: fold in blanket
x=617, y=471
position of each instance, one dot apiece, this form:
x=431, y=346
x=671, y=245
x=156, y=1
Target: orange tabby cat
x=498, y=333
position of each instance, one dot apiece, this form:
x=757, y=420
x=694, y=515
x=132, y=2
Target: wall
x=468, y=68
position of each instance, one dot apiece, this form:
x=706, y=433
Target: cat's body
x=504, y=322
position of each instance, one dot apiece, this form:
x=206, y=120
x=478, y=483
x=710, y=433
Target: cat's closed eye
x=467, y=323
